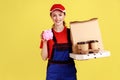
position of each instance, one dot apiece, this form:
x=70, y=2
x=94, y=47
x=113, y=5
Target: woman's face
x=58, y=17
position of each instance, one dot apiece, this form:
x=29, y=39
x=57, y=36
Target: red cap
x=57, y=7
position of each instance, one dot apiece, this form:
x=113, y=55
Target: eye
x=60, y=14
x=53, y=15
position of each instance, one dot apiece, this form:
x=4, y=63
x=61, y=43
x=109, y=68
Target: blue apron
x=61, y=66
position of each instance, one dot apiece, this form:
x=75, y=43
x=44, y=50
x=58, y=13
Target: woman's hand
x=47, y=35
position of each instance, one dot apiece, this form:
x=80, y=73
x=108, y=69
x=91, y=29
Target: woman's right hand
x=42, y=37
x=47, y=35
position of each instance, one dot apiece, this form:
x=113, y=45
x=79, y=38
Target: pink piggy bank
x=47, y=34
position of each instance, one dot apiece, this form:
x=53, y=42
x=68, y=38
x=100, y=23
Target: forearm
x=44, y=52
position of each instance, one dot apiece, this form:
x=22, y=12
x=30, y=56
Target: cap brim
x=58, y=10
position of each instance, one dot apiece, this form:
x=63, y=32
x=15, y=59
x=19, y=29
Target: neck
x=58, y=28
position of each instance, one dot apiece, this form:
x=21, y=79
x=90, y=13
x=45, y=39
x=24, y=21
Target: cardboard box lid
x=84, y=31
x=100, y=54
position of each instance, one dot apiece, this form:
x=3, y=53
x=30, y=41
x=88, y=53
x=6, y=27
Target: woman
x=60, y=65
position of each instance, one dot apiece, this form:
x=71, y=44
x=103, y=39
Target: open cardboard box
x=85, y=31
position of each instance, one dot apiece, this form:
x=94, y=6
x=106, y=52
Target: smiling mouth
x=58, y=21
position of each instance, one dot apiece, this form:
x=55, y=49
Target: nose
x=57, y=17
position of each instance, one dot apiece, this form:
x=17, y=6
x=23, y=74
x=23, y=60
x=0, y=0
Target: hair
x=64, y=23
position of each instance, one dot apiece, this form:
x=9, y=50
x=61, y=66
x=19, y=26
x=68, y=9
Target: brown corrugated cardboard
x=85, y=31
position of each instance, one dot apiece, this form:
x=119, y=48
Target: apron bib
x=61, y=66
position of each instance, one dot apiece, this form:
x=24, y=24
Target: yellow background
x=22, y=21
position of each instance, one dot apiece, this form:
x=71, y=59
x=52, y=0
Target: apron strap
x=54, y=39
x=69, y=39
x=68, y=35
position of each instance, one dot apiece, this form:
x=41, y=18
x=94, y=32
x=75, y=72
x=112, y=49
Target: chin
x=58, y=24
